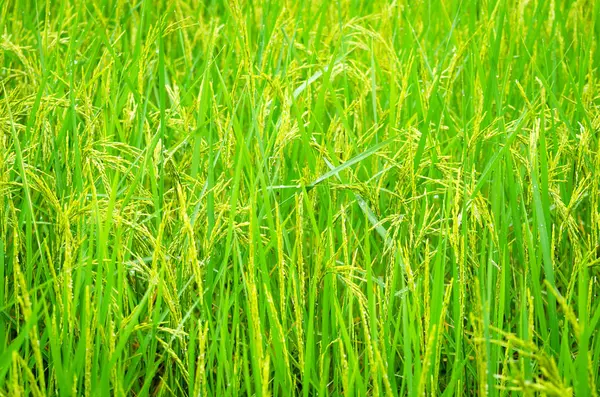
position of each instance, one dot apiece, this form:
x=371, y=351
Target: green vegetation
x=277, y=197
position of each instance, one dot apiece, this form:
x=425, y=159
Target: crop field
x=299, y=198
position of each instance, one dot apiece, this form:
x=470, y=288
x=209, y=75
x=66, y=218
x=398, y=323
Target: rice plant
x=299, y=198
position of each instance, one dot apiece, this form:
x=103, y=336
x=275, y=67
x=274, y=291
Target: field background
x=299, y=198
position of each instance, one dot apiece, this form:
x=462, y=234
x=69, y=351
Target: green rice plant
x=298, y=198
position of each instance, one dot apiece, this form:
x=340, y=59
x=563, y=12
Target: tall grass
x=299, y=198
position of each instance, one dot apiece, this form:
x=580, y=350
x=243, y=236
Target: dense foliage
x=299, y=197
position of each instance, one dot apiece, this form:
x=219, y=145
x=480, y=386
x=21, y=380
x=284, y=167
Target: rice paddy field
x=299, y=198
